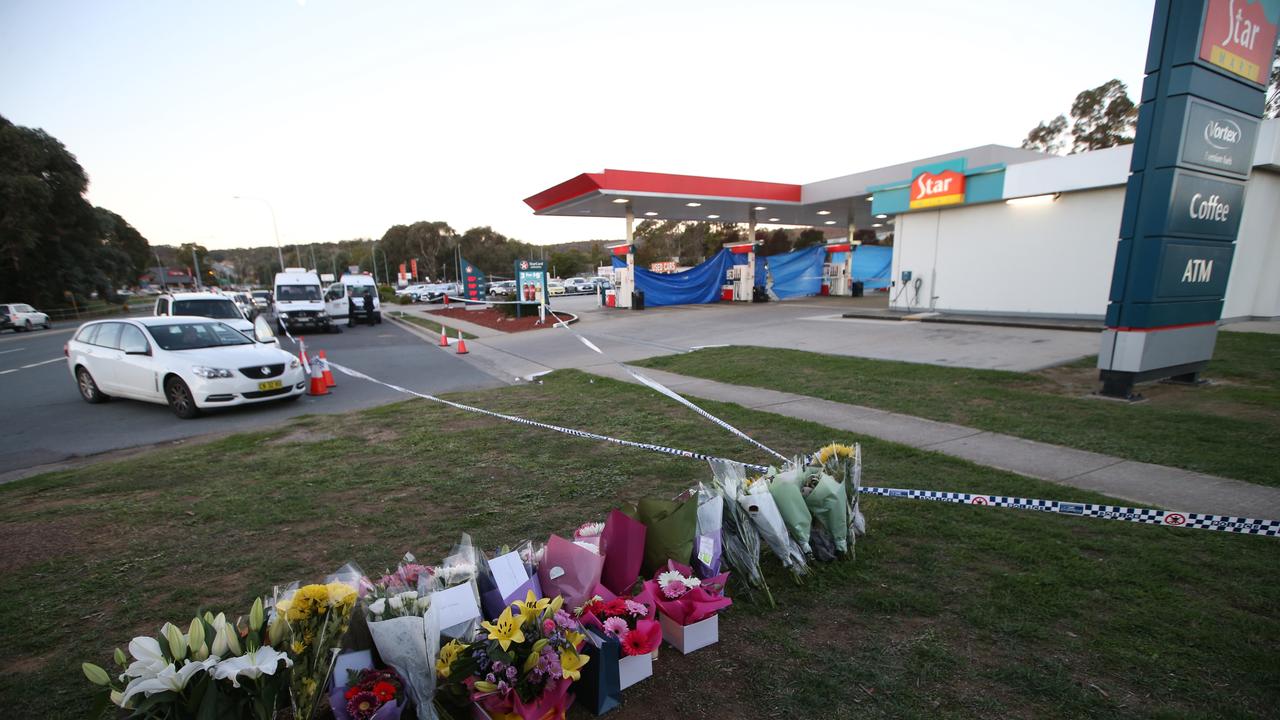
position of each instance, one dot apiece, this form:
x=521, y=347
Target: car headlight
x=293, y=364
x=210, y=373
x=284, y=314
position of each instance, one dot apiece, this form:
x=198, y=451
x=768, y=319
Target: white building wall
x=1254, y=287
x=1052, y=259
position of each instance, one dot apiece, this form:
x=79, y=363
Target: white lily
x=148, y=658
x=263, y=661
x=168, y=679
x=379, y=606
x=226, y=641
x=395, y=603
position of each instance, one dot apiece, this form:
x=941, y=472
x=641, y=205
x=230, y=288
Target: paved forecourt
x=46, y=422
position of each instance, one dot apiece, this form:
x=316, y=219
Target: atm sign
x=934, y=189
x=1238, y=38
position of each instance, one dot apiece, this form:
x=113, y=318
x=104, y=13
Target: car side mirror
x=262, y=331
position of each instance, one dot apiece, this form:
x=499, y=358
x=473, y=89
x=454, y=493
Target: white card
x=706, y=546
x=456, y=605
x=508, y=573
x=355, y=660
x=555, y=572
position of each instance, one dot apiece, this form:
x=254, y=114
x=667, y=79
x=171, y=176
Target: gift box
x=634, y=668
x=687, y=638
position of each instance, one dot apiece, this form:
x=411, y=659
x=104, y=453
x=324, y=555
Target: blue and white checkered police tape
x=1148, y=516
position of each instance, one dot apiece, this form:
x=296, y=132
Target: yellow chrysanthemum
x=340, y=593
x=834, y=450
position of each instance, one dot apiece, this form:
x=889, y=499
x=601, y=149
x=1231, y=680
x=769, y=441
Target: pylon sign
x=1208, y=62
x=531, y=281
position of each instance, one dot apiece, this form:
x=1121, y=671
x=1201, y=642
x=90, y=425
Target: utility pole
x=195, y=264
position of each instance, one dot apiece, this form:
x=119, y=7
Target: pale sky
x=350, y=117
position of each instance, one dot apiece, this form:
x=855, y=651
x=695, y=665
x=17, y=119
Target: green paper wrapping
x=672, y=527
x=830, y=506
x=785, y=489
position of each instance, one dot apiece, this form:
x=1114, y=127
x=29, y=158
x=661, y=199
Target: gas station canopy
x=662, y=196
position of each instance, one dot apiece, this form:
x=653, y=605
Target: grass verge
x=431, y=326
x=948, y=611
x=1229, y=428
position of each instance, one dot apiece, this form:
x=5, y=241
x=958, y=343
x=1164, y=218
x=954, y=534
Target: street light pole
x=274, y=227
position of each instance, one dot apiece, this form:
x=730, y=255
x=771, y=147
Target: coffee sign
x=934, y=189
x=1218, y=139
x=1238, y=38
x=1205, y=207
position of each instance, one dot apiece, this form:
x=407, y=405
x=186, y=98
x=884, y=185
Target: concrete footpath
x=1140, y=483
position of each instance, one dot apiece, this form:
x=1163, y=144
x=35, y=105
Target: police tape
x=1146, y=516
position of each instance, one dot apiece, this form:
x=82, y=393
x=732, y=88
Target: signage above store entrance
x=1238, y=38
x=934, y=189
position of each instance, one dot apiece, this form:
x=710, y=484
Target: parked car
x=555, y=287
x=204, y=304
x=22, y=317
x=436, y=293
x=261, y=300
x=577, y=286
x=190, y=364
x=245, y=303
x=414, y=292
x=299, y=301
x=503, y=288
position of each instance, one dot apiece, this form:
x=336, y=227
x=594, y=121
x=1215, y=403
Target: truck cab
x=299, y=302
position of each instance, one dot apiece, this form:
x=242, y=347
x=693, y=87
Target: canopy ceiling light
x=759, y=207
x=870, y=198
x=773, y=219
x=877, y=225
x=651, y=214
x=692, y=204
x=712, y=217
x=824, y=212
x=881, y=216
x=620, y=201
x=829, y=222
x=1033, y=200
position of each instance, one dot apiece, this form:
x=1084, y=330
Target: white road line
x=2, y=352
x=32, y=365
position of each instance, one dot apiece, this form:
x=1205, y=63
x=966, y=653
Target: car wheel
x=27, y=326
x=88, y=388
x=180, y=400
x=47, y=324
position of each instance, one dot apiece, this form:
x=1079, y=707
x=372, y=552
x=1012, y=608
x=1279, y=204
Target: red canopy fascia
x=662, y=184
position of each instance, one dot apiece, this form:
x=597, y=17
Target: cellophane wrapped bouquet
x=310, y=622
x=519, y=666
x=214, y=669
x=844, y=464
x=405, y=629
x=368, y=694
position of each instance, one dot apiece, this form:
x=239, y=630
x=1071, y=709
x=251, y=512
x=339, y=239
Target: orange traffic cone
x=462, y=344
x=317, y=381
x=444, y=339
x=325, y=372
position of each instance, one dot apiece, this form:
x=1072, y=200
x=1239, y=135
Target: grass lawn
x=431, y=326
x=948, y=611
x=1229, y=428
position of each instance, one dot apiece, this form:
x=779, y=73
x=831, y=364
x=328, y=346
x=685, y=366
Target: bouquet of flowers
x=671, y=527
x=521, y=665
x=368, y=694
x=684, y=597
x=175, y=674
x=406, y=631
x=740, y=539
x=311, y=621
x=589, y=533
x=844, y=464
x=827, y=501
x=785, y=487
x=570, y=569
x=627, y=620
x=708, y=543
x=622, y=542
x=757, y=499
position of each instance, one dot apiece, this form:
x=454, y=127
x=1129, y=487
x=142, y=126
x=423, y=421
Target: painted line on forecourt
x=1145, y=516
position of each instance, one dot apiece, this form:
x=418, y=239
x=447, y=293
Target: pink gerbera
x=636, y=608
x=615, y=626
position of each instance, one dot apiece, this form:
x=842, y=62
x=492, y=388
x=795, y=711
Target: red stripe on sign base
x=1165, y=327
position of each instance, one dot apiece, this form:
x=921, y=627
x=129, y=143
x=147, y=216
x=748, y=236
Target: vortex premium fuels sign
x=1238, y=38
x=934, y=189
x=1218, y=139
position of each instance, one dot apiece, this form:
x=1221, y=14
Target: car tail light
x=65, y=351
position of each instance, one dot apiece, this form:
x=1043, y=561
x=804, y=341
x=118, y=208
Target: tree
x=568, y=263
x=1101, y=117
x=51, y=239
x=117, y=233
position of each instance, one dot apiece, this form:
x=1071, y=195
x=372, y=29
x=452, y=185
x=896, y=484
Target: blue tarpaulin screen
x=871, y=265
x=700, y=284
x=794, y=274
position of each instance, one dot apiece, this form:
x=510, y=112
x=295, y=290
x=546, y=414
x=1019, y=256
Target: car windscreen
x=196, y=335
x=216, y=309
x=299, y=293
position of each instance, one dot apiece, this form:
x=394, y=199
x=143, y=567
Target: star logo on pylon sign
x=469, y=269
x=524, y=264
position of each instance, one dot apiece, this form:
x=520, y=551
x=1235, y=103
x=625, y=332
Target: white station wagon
x=188, y=363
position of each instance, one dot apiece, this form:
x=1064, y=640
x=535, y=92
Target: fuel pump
x=837, y=272
x=741, y=278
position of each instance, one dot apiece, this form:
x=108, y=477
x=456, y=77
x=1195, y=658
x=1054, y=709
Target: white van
x=350, y=291
x=299, y=303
